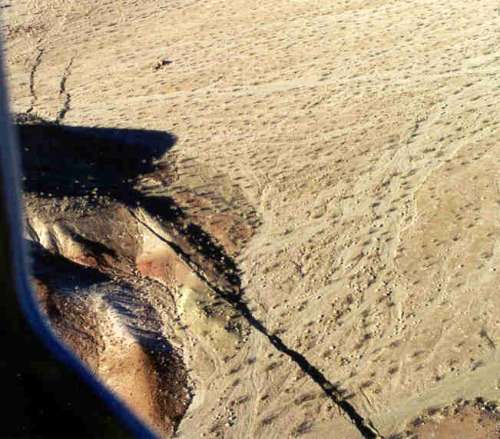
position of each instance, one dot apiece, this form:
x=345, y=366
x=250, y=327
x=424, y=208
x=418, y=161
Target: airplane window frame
x=10, y=185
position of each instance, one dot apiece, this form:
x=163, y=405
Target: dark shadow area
x=61, y=160
x=67, y=161
x=59, y=272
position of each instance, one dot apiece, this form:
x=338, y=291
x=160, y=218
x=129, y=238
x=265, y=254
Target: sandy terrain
x=336, y=166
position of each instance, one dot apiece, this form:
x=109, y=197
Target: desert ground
x=269, y=219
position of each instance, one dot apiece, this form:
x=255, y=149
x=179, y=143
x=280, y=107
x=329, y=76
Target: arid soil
x=269, y=219
x=473, y=421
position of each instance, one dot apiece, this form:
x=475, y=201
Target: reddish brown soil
x=470, y=422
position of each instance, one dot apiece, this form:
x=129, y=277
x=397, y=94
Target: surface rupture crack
x=34, y=68
x=62, y=91
x=332, y=391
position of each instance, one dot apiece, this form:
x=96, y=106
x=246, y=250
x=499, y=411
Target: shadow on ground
x=70, y=161
x=61, y=160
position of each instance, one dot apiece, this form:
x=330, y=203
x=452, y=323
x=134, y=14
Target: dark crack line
x=329, y=389
x=194, y=246
x=332, y=391
x=34, y=68
x=62, y=91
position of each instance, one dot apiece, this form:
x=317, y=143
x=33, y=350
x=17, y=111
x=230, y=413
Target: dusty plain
x=339, y=159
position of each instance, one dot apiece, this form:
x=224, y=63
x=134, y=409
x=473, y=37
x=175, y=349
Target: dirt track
x=343, y=156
